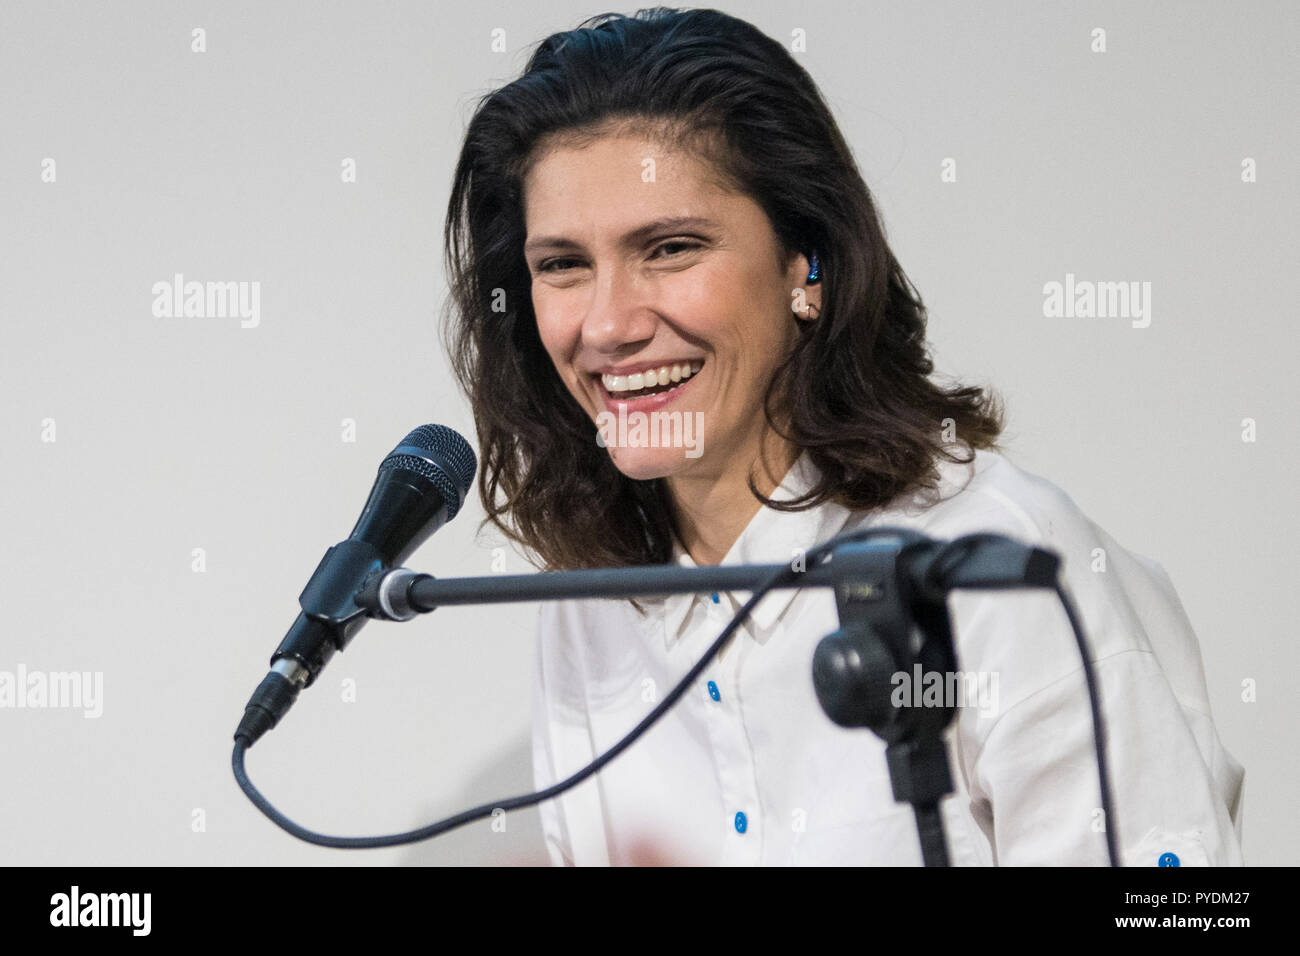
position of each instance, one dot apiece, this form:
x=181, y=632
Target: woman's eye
x=549, y=265
x=555, y=265
x=681, y=243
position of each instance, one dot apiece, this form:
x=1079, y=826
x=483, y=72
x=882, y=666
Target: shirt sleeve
x=545, y=773
x=1032, y=768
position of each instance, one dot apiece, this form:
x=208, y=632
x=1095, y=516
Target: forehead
x=616, y=176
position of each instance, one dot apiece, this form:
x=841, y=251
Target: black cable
x=929, y=827
x=1098, y=727
x=515, y=803
x=946, y=560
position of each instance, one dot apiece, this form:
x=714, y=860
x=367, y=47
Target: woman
x=685, y=339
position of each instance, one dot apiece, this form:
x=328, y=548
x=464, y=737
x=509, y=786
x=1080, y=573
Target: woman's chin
x=643, y=464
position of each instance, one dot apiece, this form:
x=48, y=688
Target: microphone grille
x=451, y=463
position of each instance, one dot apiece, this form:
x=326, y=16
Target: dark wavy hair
x=855, y=390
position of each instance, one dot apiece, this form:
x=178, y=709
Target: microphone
x=419, y=488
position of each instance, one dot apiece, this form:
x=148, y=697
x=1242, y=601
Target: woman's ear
x=806, y=297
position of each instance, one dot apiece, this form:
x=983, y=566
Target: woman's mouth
x=649, y=389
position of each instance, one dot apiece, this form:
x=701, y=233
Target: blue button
x=713, y=691
x=740, y=822
x=714, y=595
x=1168, y=859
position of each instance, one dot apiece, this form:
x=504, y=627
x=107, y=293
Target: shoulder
x=1126, y=600
x=992, y=493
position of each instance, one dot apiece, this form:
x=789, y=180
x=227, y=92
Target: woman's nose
x=619, y=314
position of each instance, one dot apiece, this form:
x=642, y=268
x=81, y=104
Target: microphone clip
x=330, y=614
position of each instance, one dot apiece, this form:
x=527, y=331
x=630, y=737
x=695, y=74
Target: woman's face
x=640, y=263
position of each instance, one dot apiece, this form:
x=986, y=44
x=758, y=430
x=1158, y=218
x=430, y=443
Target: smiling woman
x=660, y=222
x=708, y=293
x=650, y=193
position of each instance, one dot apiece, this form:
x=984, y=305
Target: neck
x=714, y=506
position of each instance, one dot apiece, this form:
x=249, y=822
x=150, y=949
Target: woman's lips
x=648, y=403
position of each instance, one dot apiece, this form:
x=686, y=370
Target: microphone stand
x=890, y=623
x=887, y=628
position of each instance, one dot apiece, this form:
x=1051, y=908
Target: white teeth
x=651, y=378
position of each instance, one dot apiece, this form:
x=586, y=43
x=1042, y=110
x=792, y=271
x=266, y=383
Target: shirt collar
x=771, y=537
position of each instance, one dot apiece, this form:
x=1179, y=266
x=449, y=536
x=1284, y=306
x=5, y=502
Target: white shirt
x=746, y=768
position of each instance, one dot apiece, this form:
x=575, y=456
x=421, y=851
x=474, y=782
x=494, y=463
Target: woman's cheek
x=552, y=337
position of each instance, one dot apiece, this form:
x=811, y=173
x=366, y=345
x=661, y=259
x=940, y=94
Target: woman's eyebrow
x=630, y=239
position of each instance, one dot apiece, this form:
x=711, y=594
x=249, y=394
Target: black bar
x=874, y=563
